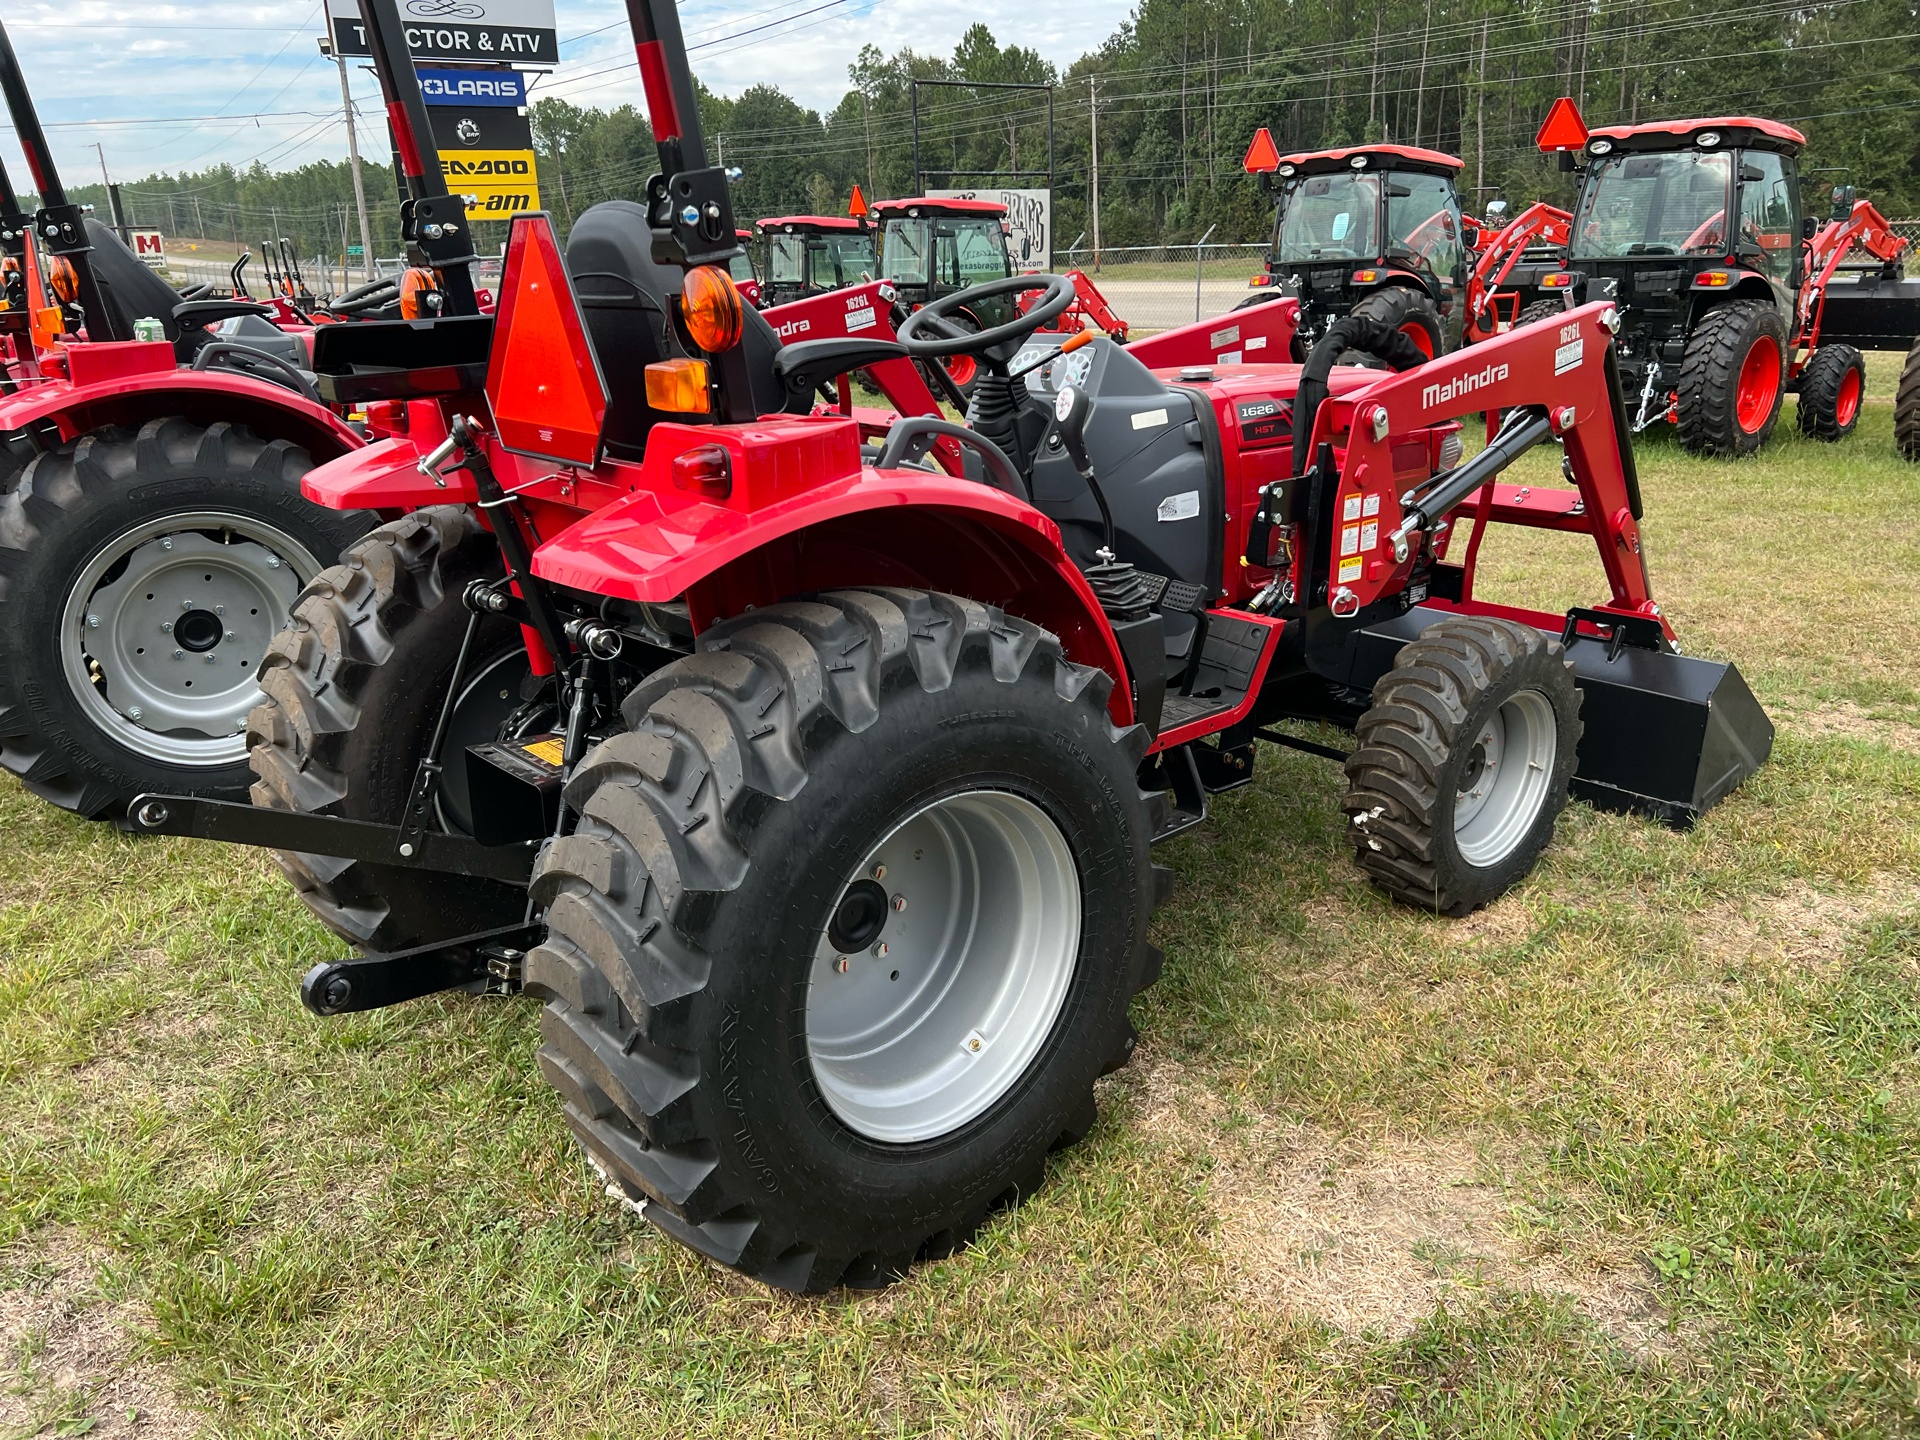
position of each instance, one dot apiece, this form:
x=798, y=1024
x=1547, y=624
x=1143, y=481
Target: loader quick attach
x=806, y=764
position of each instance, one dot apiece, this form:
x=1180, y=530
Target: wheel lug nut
x=840, y=964
x=179, y=654
x=210, y=658
x=134, y=712
x=167, y=544
x=880, y=950
x=166, y=627
x=879, y=872
x=219, y=609
x=273, y=562
x=186, y=604
x=899, y=903
x=93, y=622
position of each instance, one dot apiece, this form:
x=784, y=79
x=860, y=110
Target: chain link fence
x=1157, y=287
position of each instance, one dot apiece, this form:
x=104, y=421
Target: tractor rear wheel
x=1732, y=379
x=353, y=689
x=1831, y=388
x=142, y=575
x=847, y=931
x=1463, y=763
x=1540, y=310
x=1906, y=407
x=1408, y=311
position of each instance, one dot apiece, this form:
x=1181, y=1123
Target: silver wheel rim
x=1505, y=781
x=163, y=656
x=932, y=1021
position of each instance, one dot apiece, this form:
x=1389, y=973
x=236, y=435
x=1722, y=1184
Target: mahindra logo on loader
x=792, y=327
x=1462, y=385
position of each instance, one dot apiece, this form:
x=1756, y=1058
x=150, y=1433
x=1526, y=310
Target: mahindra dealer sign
x=475, y=31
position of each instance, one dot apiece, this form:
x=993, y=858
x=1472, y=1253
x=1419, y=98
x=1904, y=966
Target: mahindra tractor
x=811, y=254
x=1371, y=230
x=812, y=789
x=153, y=533
x=1730, y=298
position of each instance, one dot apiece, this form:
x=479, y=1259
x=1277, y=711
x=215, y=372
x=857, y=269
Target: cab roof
x=1378, y=157
x=839, y=223
x=1734, y=130
x=936, y=205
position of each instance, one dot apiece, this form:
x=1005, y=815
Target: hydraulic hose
x=1360, y=333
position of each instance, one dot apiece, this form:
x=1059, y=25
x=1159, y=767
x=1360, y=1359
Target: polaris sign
x=474, y=32
x=504, y=88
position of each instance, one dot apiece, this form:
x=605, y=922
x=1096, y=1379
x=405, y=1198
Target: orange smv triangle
x=857, y=206
x=1563, y=129
x=1263, y=156
x=543, y=381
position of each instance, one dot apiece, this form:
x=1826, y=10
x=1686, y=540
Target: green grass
x=1635, y=1152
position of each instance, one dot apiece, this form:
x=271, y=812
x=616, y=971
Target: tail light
x=707, y=469
x=1711, y=278
x=711, y=309
x=1556, y=282
x=679, y=385
x=1365, y=277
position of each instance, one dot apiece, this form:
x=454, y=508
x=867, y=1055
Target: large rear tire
x=1732, y=379
x=1906, y=407
x=1463, y=763
x=1408, y=311
x=1831, y=388
x=847, y=931
x=353, y=688
x=142, y=575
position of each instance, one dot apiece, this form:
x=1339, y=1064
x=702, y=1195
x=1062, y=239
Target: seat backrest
x=131, y=290
x=624, y=297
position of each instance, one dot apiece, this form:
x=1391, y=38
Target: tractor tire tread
x=1821, y=382
x=1707, y=395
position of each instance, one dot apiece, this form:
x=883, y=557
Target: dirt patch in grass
x=1844, y=720
x=1371, y=1235
x=66, y=1352
x=1800, y=926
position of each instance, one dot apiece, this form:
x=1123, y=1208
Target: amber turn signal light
x=1711, y=278
x=1365, y=277
x=679, y=385
x=711, y=309
x=705, y=468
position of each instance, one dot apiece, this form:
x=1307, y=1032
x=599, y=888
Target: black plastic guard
x=1667, y=736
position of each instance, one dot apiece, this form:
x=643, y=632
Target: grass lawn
x=1634, y=1152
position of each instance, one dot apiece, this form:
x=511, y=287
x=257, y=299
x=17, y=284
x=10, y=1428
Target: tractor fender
x=912, y=528
x=203, y=397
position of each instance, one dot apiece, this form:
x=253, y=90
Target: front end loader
x=813, y=792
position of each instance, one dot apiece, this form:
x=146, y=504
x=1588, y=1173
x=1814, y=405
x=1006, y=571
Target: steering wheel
x=930, y=332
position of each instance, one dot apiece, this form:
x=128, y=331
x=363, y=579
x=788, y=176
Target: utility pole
x=1093, y=122
x=353, y=151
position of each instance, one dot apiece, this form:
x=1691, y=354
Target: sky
x=189, y=85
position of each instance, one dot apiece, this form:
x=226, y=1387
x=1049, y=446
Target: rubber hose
x=1349, y=333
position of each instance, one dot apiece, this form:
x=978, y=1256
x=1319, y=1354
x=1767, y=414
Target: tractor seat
x=130, y=290
x=624, y=297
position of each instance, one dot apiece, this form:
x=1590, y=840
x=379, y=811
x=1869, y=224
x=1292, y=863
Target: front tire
x=142, y=575
x=352, y=691
x=797, y=1076
x=1732, y=379
x=1831, y=388
x=1906, y=407
x=1463, y=763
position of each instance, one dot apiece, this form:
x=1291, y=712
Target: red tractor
x=811, y=254
x=1720, y=319
x=746, y=273
x=1371, y=230
x=153, y=533
x=814, y=795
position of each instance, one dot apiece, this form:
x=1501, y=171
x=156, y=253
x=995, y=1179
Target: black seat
x=131, y=290
x=623, y=297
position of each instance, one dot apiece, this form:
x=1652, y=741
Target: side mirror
x=1809, y=227
x=1496, y=208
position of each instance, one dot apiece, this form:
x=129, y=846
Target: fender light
x=707, y=469
x=1556, y=282
x=1711, y=278
x=711, y=309
x=679, y=385
x=1261, y=279
x=1365, y=277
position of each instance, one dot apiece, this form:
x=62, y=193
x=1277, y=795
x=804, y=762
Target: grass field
x=1634, y=1152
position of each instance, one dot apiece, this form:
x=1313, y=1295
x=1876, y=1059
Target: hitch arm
x=237, y=824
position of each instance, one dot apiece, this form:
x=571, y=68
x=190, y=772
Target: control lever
x=1071, y=407
x=435, y=462
x=1124, y=593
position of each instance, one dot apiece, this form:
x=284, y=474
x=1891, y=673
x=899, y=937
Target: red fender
x=782, y=532
x=204, y=397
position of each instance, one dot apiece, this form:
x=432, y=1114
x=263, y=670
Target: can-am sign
x=1030, y=217
x=471, y=30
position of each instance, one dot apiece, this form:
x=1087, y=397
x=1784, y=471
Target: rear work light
x=707, y=469
x=679, y=385
x=1711, y=277
x=1556, y=282
x=711, y=309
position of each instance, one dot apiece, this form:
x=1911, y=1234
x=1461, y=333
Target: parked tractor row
x=803, y=757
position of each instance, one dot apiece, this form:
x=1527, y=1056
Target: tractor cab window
x=906, y=251
x=838, y=260
x=1328, y=217
x=972, y=252
x=741, y=268
x=787, y=260
x=1667, y=204
x=1423, y=224
x=1769, y=227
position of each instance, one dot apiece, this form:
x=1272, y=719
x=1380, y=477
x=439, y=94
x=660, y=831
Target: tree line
x=1176, y=93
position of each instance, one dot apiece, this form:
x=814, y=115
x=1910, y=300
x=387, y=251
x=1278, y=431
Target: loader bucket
x=1666, y=736
x=1871, y=313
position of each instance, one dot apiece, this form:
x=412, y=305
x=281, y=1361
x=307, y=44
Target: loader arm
x=1865, y=229
x=1541, y=222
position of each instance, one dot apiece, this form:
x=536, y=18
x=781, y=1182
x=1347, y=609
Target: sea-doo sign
x=474, y=31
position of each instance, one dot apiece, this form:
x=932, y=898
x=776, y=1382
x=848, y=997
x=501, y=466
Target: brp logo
x=467, y=132
x=446, y=10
